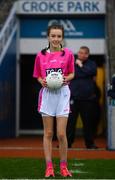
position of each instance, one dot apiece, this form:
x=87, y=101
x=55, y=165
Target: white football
x=54, y=80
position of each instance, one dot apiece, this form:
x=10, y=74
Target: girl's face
x=55, y=39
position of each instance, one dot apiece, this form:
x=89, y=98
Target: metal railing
x=7, y=32
x=5, y=7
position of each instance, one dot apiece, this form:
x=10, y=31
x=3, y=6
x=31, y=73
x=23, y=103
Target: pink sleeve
x=37, y=69
x=71, y=63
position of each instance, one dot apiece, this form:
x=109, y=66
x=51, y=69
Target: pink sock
x=49, y=164
x=63, y=164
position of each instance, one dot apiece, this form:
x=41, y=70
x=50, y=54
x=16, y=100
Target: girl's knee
x=61, y=136
x=48, y=134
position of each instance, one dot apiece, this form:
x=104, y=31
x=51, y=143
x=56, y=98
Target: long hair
x=54, y=26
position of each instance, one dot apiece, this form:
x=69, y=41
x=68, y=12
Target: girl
x=56, y=102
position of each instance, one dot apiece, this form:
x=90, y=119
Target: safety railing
x=7, y=32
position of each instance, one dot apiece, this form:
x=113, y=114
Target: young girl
x=54, y=102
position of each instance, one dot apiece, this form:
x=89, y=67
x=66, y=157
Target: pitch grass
x=29, y=168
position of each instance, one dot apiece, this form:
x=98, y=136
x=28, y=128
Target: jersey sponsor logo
x=50, y=70
x=53, y=60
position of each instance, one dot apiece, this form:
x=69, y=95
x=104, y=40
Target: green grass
x=30, y=168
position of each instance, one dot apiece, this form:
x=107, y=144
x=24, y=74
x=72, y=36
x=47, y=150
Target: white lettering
x=48, y=71
x=60, y=71
x=67, y=25
x=54, y=21
x=70, y=29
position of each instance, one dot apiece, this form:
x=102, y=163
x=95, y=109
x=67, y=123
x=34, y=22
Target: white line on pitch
x=41, y=148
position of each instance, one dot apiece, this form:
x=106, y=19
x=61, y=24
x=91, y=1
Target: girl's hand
x=65, y=80
x=43, y=82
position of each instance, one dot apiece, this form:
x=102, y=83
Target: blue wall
x=8, y=92
x=74, y=28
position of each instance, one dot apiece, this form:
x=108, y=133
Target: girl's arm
x=42, y=82
x=68, y=78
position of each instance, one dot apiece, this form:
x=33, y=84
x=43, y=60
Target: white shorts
x=54, y=103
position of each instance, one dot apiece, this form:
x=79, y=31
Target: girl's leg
x=47, y=142
x=61, y=134
x=48, y=135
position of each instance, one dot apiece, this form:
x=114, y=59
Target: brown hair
x=54, y=26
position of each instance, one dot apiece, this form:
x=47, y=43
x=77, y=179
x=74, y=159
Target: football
x=54, y=80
